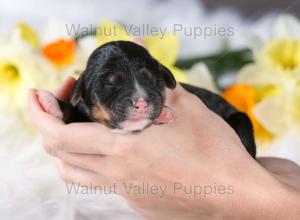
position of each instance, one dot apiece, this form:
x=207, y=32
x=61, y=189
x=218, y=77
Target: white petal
x=286, y=146
x=276, y=113
x=87, y=45
x=199, y=75
x=255, y=75
x=55, y=29
x=286, y=26
x=255, y=42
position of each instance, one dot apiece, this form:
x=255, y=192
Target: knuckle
x=59, y=144
x=49, y=148
x=58, y=139
x=62, y=171
x=53, y=143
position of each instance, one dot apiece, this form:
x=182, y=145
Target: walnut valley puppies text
x=143, y=30
x=146, y=188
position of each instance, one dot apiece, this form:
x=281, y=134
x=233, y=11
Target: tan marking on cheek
x=101, y=114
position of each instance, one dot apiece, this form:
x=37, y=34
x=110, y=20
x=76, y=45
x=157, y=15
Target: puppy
x=123, y=87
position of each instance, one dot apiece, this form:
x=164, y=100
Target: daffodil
x=163, y=48
x=21, y=68
x=275, y=76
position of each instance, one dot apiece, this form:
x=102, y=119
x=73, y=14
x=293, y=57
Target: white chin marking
x=127, y=126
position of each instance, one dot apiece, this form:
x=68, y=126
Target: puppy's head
x=123, y=86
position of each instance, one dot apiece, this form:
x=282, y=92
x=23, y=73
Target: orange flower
x=243, y=97
x=240, y=95
x=60, y=52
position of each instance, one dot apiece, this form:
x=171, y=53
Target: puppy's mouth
x=138, y=116
x=133, y=117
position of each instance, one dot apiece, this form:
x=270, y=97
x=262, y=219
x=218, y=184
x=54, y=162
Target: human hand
x=284, y=170
x=197, y=151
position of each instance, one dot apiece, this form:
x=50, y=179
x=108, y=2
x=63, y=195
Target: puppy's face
x=122, y=87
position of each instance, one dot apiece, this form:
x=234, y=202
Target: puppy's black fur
x=239, y=121
x=118, y=72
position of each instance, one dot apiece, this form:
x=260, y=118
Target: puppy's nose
x=140, y=105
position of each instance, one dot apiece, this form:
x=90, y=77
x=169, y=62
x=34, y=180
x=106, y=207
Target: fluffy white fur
x=30, y=187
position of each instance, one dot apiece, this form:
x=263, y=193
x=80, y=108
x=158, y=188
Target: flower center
x=284, y=53
x=9, y=73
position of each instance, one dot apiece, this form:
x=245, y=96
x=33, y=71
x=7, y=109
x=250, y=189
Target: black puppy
x=123, y=87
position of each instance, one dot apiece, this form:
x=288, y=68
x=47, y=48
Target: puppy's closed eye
x=147, y=76
x=112, y=78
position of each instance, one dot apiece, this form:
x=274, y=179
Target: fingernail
x=31, y=90
x=71, y=78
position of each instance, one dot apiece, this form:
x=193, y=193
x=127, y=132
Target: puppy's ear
x=168, y=76
x=77, y=92
x=242, y=125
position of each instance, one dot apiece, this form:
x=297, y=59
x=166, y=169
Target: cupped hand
x=195, y=167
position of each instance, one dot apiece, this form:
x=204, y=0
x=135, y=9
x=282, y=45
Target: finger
x=85, y=161
x=177, y=90
x=76, y=175
x=181, y=97
x=105, y=166
x=92, y=138
x=50, y=104
x=173, y=94
x=43, y=121
x=278, y=164
x=63, y=92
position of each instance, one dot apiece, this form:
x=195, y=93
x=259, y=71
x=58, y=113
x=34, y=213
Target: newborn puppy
x=123, y=87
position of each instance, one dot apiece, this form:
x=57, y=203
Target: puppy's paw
x=50, y=104
x=167, y=115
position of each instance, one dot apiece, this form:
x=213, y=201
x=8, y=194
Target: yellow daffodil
x=163, y=48
x=275, y=76
x=282, y=54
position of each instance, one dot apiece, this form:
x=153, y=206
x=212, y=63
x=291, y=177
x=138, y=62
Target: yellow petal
x=28, y=35
x=178, y=74
x=260, y=132
x=282, y=53
x=297, y=105
x=109, y=31
x=163, y=48
x=8, y=74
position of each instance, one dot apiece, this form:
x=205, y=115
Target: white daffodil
x=275, y=76
x=21, y=68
